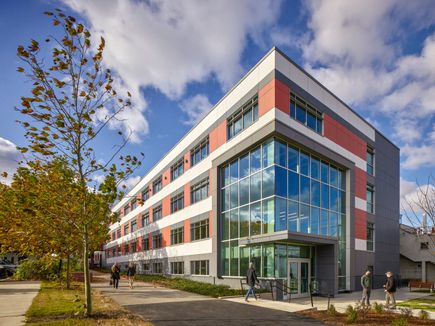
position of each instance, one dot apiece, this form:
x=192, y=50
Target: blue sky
x=178, y=58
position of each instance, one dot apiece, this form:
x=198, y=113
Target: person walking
x=115, y=275
x=390, y=290
x=251, y=280
x=131, y=271
x=366, y=283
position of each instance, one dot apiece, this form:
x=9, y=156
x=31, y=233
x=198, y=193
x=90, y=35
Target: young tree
x=72, y=102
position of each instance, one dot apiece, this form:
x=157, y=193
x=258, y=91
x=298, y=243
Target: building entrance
x=298, y=277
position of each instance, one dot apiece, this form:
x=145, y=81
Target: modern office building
x=281, y=173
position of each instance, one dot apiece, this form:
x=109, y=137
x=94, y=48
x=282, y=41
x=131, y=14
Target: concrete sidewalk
x=163, y=306
x=15, y=299
x=341, y=301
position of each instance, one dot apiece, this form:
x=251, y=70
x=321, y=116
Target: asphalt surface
x=163, y=306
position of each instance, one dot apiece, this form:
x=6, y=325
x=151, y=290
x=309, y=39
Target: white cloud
x=415, y=157
x=169, y=44
x=9, y=159
x=355, y=48
x=129, y=183
x=195, y=108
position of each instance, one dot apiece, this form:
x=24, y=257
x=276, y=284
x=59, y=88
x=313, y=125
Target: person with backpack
x=131, y=271
x=390, y=290
x=366, y=283
x=251, y=280
x=115, y=275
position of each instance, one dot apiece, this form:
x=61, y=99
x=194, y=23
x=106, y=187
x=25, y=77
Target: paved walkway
x=15, y=299
x=164, y=306
x=341, y=301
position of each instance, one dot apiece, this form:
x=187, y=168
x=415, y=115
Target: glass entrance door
x=299, y=272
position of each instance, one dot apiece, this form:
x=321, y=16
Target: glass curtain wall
x=278, y=187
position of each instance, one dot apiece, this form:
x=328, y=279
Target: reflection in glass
x=305, y=189
x=244, y=221
x=255, y=160
x=255, y=186
x=293, y=159
x=268, y=215
x=280, y=153
x=268, y=154
x=280, y=181
x=305, y=163
x=234, y=171
x=255, y=219
x=280, y=214
x=244, y=191
x=234, y=224
x=304, y=219
x=244, y=166
x=268, y=182
x=292, y=215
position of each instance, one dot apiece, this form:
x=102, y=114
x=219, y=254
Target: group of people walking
x=116, y=275
x=389, y=288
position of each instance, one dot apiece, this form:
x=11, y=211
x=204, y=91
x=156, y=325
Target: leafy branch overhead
x=72, y=100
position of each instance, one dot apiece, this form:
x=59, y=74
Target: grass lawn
x=57, y=306
x=421, y=304
x=187, y=285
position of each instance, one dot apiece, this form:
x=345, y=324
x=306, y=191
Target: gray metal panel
x=199, y=217
x=387, y=207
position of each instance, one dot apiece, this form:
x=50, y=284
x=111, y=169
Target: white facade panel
x=361, y=204
x=360, y=244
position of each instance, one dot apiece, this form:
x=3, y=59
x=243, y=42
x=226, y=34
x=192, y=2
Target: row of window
x=197, y=267
x=305, y=113
x=243, y=118
x=197, y=154
x=198, y=231
x=199, y=191
x=278, y=152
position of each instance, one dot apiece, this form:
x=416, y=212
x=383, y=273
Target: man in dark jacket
x=131, y=271
x=366, y=283
x=390, y=289
x=251, y=279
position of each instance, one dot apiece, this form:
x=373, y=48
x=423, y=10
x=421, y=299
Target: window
x=370, y=157
x=133, y=226
x=157, y=241
x=177, y=236
x=113, y=235
x=145, y=194
x=145, y=243
x=199, y=267
x=199, y=191
x=118, y=233
x=133, y=247
x=243, y=118
x=145, y=219
x=199, y=230
x=177, y=267
x=370, y=236
x=119, y=251
x=157, y=185
x=199, y=152
x=126, y=209
x=133, y=204
x=146, y=268
x=157, y=213
x=126, y=229
x=370, y=199
x=177, y=202
x=305, y=113
x=177, y=169
x=424, y=245
x=157, y=268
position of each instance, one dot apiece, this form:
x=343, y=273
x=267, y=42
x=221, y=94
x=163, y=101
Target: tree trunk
x=88, y=295
x=68, y=274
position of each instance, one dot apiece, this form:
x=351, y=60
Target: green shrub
x=45, y=268
x=378, y=308
x=351, y=315
x=423, y=314
x=187, y=285
x=331, y=310
x=402, y=321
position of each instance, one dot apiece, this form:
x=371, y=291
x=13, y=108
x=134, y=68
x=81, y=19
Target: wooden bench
x=420, y=285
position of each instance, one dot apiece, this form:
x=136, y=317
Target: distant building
x=417, y=253
x=281, y=173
